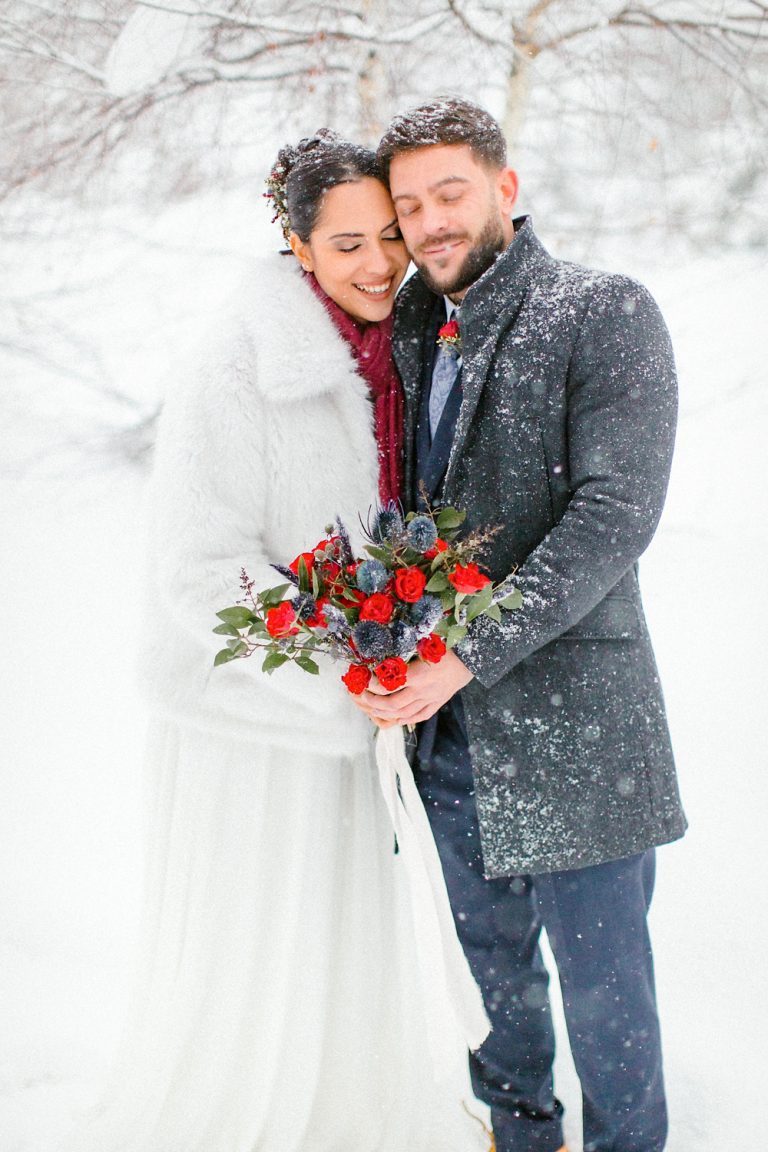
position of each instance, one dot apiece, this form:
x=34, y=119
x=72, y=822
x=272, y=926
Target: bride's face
x=356, y=250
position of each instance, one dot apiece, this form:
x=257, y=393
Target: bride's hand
x=428, y=687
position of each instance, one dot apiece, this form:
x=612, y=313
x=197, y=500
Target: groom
x=543, y=757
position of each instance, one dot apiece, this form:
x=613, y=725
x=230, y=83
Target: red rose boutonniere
x=449, y=336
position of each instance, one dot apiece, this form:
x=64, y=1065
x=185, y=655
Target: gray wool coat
x=565, y=438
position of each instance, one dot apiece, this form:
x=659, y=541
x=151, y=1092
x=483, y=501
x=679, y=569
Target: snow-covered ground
x=73, y=726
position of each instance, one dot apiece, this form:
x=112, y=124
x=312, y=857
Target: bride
x=278, y=1006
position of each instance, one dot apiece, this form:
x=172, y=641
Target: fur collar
x=288, y=329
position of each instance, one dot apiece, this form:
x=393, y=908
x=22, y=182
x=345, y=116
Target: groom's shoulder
x=591, y=294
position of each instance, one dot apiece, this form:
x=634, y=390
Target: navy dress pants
x=595, y=920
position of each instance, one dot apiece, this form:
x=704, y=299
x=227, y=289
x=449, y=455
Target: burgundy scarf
x=371, y=346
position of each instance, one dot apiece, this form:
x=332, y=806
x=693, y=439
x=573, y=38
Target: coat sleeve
x=621, y=416
x=208, y=497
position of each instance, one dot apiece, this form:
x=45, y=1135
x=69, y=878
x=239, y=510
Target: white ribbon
x=446, y=976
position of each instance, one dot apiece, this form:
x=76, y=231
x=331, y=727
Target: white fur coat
x=267, y=439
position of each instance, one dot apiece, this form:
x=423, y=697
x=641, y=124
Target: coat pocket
x=614, y=618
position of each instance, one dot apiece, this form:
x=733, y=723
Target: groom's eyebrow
x=432, y=187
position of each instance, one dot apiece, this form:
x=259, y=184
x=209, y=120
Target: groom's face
x=454, y=213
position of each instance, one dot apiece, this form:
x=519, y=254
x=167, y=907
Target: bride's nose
x=380, y=262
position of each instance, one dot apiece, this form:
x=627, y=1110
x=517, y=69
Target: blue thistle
x=371, y=576
x=425, y=614
x=304, y=605
x=388, y=525
x=338, y=625
x=372, y=640
x=403, y=638
x=421, y=533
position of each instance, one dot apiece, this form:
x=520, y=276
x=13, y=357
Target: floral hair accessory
x=276, y=192
x=449, y=336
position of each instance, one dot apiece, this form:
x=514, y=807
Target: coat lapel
x=411, y=351
x=488, y=310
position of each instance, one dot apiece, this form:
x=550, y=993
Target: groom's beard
x=487, y=246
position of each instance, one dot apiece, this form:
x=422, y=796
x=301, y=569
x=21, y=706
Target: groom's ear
x=301, y=251
x=506, y=190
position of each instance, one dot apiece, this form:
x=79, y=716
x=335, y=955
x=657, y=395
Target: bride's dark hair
x=303, y=173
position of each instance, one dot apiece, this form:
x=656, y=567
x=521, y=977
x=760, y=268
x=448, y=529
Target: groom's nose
x=434, y=220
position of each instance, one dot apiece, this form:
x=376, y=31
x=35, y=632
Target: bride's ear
x=301, y=251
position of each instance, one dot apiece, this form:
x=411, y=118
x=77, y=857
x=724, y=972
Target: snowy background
x=111, y=279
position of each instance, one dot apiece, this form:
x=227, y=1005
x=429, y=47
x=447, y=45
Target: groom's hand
x=428, y=687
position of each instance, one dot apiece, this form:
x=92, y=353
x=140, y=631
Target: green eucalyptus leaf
x=222, y=657
x=494, y=612
x=448, y=519
x=437, y=582
x=378, y=553
x=273, y=660
x=478, y=603
x=513, y=601
x=308, y=664
x=226, y=630
x=237, y=646
x=238, y=616
x=455, y=633
x=274, y=596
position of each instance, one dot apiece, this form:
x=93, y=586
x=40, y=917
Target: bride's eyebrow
x=359, y=235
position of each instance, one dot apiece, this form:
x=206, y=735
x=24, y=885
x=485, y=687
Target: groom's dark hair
x=445, y=120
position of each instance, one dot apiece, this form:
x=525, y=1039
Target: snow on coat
x=565, y=438
x=262, y=442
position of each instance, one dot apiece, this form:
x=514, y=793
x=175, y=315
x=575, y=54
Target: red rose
x=377, y=607
x=392, y=673
x=307, y=557
x=331, y=571
x=468, y=578
x=431, y=648
x=438, y=546
x=350, y=597
x=449, y=331
x=357, y=678
x=410, y=584
x=281, y=620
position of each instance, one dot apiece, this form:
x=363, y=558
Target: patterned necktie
x=444, y=375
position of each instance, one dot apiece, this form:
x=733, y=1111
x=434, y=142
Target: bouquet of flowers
x=411, y=597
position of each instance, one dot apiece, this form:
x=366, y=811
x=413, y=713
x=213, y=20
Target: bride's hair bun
x=302, y=173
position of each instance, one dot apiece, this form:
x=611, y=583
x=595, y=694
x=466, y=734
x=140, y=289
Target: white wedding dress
x=278, y=1001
